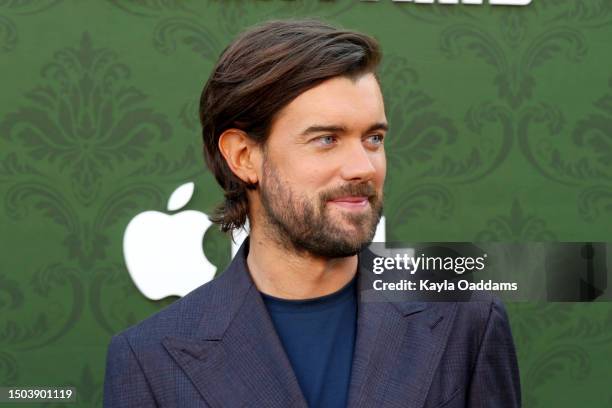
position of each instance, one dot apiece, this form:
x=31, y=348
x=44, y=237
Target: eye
x=327, y=140
x=376, y=140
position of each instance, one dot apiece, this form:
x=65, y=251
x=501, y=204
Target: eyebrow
x=341, y=129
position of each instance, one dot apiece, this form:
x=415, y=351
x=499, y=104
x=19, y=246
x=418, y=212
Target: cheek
x=313, y=172
x=305, y=180
x=380, y=164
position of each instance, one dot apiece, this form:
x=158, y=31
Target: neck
x=289, y=274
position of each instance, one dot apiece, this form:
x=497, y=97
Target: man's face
x=324, y=167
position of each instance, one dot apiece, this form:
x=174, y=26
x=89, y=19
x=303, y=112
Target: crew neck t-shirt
x=318, y=336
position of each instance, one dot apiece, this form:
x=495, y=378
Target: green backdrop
x=501, y=130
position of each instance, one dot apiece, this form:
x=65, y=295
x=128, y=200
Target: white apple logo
x=163, y=253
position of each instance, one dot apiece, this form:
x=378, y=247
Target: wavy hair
x=257, y=75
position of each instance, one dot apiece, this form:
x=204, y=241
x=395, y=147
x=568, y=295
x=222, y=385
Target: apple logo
x=163, y=253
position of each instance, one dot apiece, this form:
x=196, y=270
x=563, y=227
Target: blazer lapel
x=398, y=347
x=236, y=358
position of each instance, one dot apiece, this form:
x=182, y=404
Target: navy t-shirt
x=319, y=336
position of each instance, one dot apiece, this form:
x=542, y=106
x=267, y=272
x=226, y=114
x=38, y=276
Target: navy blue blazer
x=217, y=347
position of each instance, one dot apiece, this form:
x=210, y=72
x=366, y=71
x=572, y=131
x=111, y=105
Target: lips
x=350, y=199
x=351, y=202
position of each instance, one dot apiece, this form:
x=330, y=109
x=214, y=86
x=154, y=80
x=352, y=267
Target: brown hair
x=257, y=75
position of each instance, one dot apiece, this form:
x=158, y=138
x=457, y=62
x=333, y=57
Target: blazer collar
x=235, y=357
x=399, y=344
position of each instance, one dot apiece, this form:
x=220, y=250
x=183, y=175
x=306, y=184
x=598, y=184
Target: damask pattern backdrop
x=501, y=130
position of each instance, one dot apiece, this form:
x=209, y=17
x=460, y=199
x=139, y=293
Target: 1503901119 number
x=37, y=394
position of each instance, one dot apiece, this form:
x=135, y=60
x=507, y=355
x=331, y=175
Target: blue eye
x=376, y=139
x=326, y=140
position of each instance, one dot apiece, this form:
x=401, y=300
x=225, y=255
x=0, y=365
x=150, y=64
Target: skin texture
x=320, y=178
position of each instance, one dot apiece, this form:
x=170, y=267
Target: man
x=294, y=124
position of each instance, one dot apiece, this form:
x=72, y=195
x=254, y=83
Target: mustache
x=350, y=190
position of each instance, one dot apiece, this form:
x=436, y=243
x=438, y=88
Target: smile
x=351, y=203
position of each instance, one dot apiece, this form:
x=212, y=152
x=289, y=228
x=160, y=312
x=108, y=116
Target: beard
x=305, y=225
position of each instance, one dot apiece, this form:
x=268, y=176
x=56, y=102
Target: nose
x=357, y=163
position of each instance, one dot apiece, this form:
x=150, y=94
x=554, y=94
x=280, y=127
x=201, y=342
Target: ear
x=241, y=154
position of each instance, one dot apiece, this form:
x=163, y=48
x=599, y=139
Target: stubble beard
x=298, y=224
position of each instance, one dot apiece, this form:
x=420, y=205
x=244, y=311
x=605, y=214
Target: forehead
x=351, y=102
